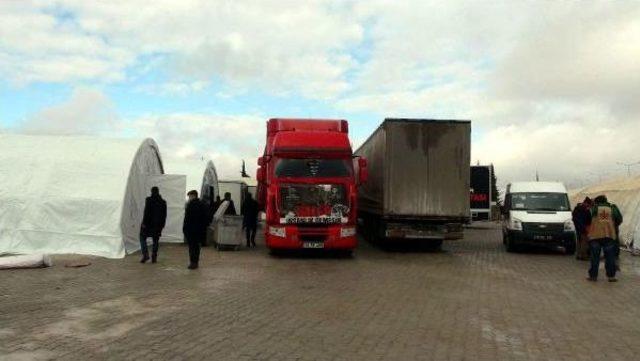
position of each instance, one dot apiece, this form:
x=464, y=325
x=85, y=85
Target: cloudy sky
x=552, y=86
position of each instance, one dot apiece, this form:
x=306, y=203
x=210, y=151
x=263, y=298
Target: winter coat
x=581, y=218
x=250, y=214
x=231, y=209
x=196, y=220
x=154, y=218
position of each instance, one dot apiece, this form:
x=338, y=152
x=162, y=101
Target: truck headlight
x=347, y=231
x=515, y=224
x=569, y=226
x=278, y=231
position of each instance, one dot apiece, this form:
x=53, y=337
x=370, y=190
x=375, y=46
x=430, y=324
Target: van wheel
x=570, y=249
x=510, y=245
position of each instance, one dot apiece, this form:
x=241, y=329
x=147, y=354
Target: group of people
x=597, y=225
x=197, y=218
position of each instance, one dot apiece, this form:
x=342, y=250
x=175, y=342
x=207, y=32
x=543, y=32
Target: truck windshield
x=539, y=202
x=313, y=168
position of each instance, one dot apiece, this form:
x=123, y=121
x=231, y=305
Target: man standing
x=195, y=225
x=582, y=221
x=153, y=221
x=603, y=234
x=231, y=209
x=250, y=219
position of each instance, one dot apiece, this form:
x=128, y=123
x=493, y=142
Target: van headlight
x=347, y=232
x=515, y=224
x=569, y=226
x=277, y=231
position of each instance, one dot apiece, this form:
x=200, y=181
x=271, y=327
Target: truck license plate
x=313, y=245
x=543, y=238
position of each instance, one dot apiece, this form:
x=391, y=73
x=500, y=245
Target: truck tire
x=345, y=253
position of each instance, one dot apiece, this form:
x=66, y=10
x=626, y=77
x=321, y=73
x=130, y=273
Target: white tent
x=625, y=193
x=85, y=195
x=200, y=175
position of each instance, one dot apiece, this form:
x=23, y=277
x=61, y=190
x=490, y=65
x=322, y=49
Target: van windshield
x=313, y=168
x=539, y=202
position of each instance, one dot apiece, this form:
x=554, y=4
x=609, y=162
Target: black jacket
x=196, y=220
x=581, y=218
x=250, y=213
x=231, y=209
x=155, y=217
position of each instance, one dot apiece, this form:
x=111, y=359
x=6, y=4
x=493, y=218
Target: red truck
x=307, y=185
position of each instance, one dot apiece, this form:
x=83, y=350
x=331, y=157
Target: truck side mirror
x=260, y=175
x=363, y=171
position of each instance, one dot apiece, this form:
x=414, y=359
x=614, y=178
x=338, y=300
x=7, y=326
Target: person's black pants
x=251, y=235
x=145, y=249
x=608, y=246
x=194, y=249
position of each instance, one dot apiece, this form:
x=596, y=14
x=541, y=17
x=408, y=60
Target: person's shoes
x=144, y=259
x=193, y=266
x=613, y=279
x=154, y=259
x=592, y=279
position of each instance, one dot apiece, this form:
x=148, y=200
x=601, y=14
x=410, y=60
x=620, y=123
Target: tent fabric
x=171, y=188
x=70, y=194
x=200, y=175
x=625, y=193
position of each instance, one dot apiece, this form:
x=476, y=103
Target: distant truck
x=538, y=213
x=307, y=185
x=418, y=185
x=480, y=195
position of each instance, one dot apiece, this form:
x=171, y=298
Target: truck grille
x=546, y=228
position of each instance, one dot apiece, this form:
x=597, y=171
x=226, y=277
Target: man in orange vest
x=603, y=236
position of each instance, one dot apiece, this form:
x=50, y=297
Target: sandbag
x=25, y=261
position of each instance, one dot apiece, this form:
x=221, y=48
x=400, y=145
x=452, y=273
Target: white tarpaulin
x=70, y=194
x=25, y=261
x=171, y=188
x=200, y=175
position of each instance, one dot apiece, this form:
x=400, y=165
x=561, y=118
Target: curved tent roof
x=70, y=194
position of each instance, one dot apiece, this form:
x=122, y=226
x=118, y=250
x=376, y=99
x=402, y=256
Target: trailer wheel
x=434, y=246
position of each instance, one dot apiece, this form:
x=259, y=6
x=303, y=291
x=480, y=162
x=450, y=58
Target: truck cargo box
x=418, y=168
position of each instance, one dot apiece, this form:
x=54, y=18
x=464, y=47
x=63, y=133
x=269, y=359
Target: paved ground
x=473, y=301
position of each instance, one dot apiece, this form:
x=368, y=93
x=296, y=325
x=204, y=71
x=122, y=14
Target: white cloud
x=537, y=80
x=226, y=139
x=87, y=111
x=277, y=46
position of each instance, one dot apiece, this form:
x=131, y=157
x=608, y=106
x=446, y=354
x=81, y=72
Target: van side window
x=507, y=202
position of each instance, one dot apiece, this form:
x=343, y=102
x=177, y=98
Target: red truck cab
x=307, y=185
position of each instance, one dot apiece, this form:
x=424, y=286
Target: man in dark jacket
x=250, y=219
x=602, y=233
x=231, y=209
x=153, y=221
x=582, y=221
x=196, y=221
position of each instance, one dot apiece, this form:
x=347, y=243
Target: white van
x=538, y=213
